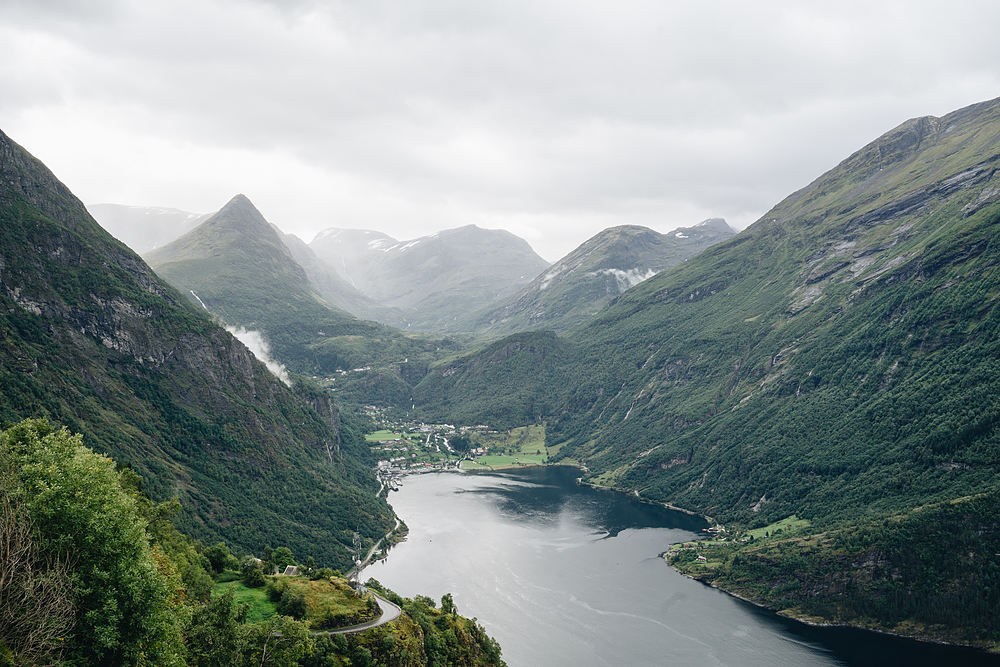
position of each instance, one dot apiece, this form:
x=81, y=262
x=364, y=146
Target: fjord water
x=562, y=574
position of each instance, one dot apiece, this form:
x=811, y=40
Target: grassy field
x=261, y=608
x=378, y=436
x=785, y=526
x=326, y=599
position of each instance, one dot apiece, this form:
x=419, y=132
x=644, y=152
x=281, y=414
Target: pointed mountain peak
x=237, y=226
x=240, y=215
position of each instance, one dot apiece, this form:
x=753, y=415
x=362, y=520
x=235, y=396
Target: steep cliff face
x=93, y=340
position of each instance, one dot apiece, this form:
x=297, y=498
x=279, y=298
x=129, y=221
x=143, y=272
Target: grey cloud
x=546, y=116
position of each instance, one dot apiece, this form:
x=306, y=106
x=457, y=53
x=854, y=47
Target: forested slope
x=243, y=273
x=839, y=361
x=94, y=341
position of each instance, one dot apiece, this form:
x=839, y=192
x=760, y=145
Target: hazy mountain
x=836, y=361
x=237, y=267
x=94, y=341
x=333, y=288
x=436, y=280
x=143, y=228
x=583, y=282
x=348, y=251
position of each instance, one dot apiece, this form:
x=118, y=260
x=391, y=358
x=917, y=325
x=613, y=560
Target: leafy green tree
x=283, y=558
x=448, y=604
x=220, y=558
x=292, y=603
x=215, y=633
x=278, y=642
x=125, y=607
x=253, y=572
x=36, y=607
x=461, y=444
x=268, y=560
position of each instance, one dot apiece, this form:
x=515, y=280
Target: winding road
x=390, y=612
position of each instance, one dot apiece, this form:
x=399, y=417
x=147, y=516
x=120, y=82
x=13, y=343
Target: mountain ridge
x=93, y=340
x=577, y=286
x=434, y=280
x=836, y=362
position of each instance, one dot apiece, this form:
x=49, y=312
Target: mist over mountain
x=578, y=286
x=96, y=342
x=334, y=289
x=143, y=228
x=237, y=267
x=434, y=280
x=348, y=251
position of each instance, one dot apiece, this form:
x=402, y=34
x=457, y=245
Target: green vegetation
x=96, y=574
x=836, y=361
x=448, y=639
x=930, y=573
x=507, y=384
x=100, y=583
x=260, y=606
x=574, y=289
x=378, y=436
x=92, y=340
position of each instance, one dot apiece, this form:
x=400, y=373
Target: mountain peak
x=237, y=225
x=240, y=214
x=718, y=224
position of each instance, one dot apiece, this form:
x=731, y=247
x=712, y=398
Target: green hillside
x=94, y=341
x=435, y=281
x=836, y=357
x=237, y=267
x=837, y=361
x=577, y=287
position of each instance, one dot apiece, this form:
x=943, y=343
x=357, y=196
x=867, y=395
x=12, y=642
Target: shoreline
x=991, y=649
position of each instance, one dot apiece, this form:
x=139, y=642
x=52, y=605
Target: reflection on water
x=567, y=575
x=539, y=495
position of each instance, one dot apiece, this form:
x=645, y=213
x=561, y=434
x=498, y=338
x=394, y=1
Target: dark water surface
x=566, y=575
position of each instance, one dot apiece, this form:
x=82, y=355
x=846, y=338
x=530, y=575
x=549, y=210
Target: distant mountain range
x=459, y=280
x=824, y=385
x=434, y=280
x=578, y=286
x=144, y=228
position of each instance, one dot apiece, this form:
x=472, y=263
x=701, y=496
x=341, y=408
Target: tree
x=292, y=603
x=124, y=601
x=461, y=444
x=216, y=631
x=35, y=605
x=253, y=572
x=278, y=642
x=283, y=558
x=220, y=558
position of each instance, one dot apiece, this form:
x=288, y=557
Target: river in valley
x=562, y=574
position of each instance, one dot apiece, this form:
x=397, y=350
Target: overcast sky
x=550, y=118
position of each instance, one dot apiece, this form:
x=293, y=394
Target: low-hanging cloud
x=255, y=342
x=550, y=118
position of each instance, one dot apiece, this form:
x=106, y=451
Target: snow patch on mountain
x=379, y=244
